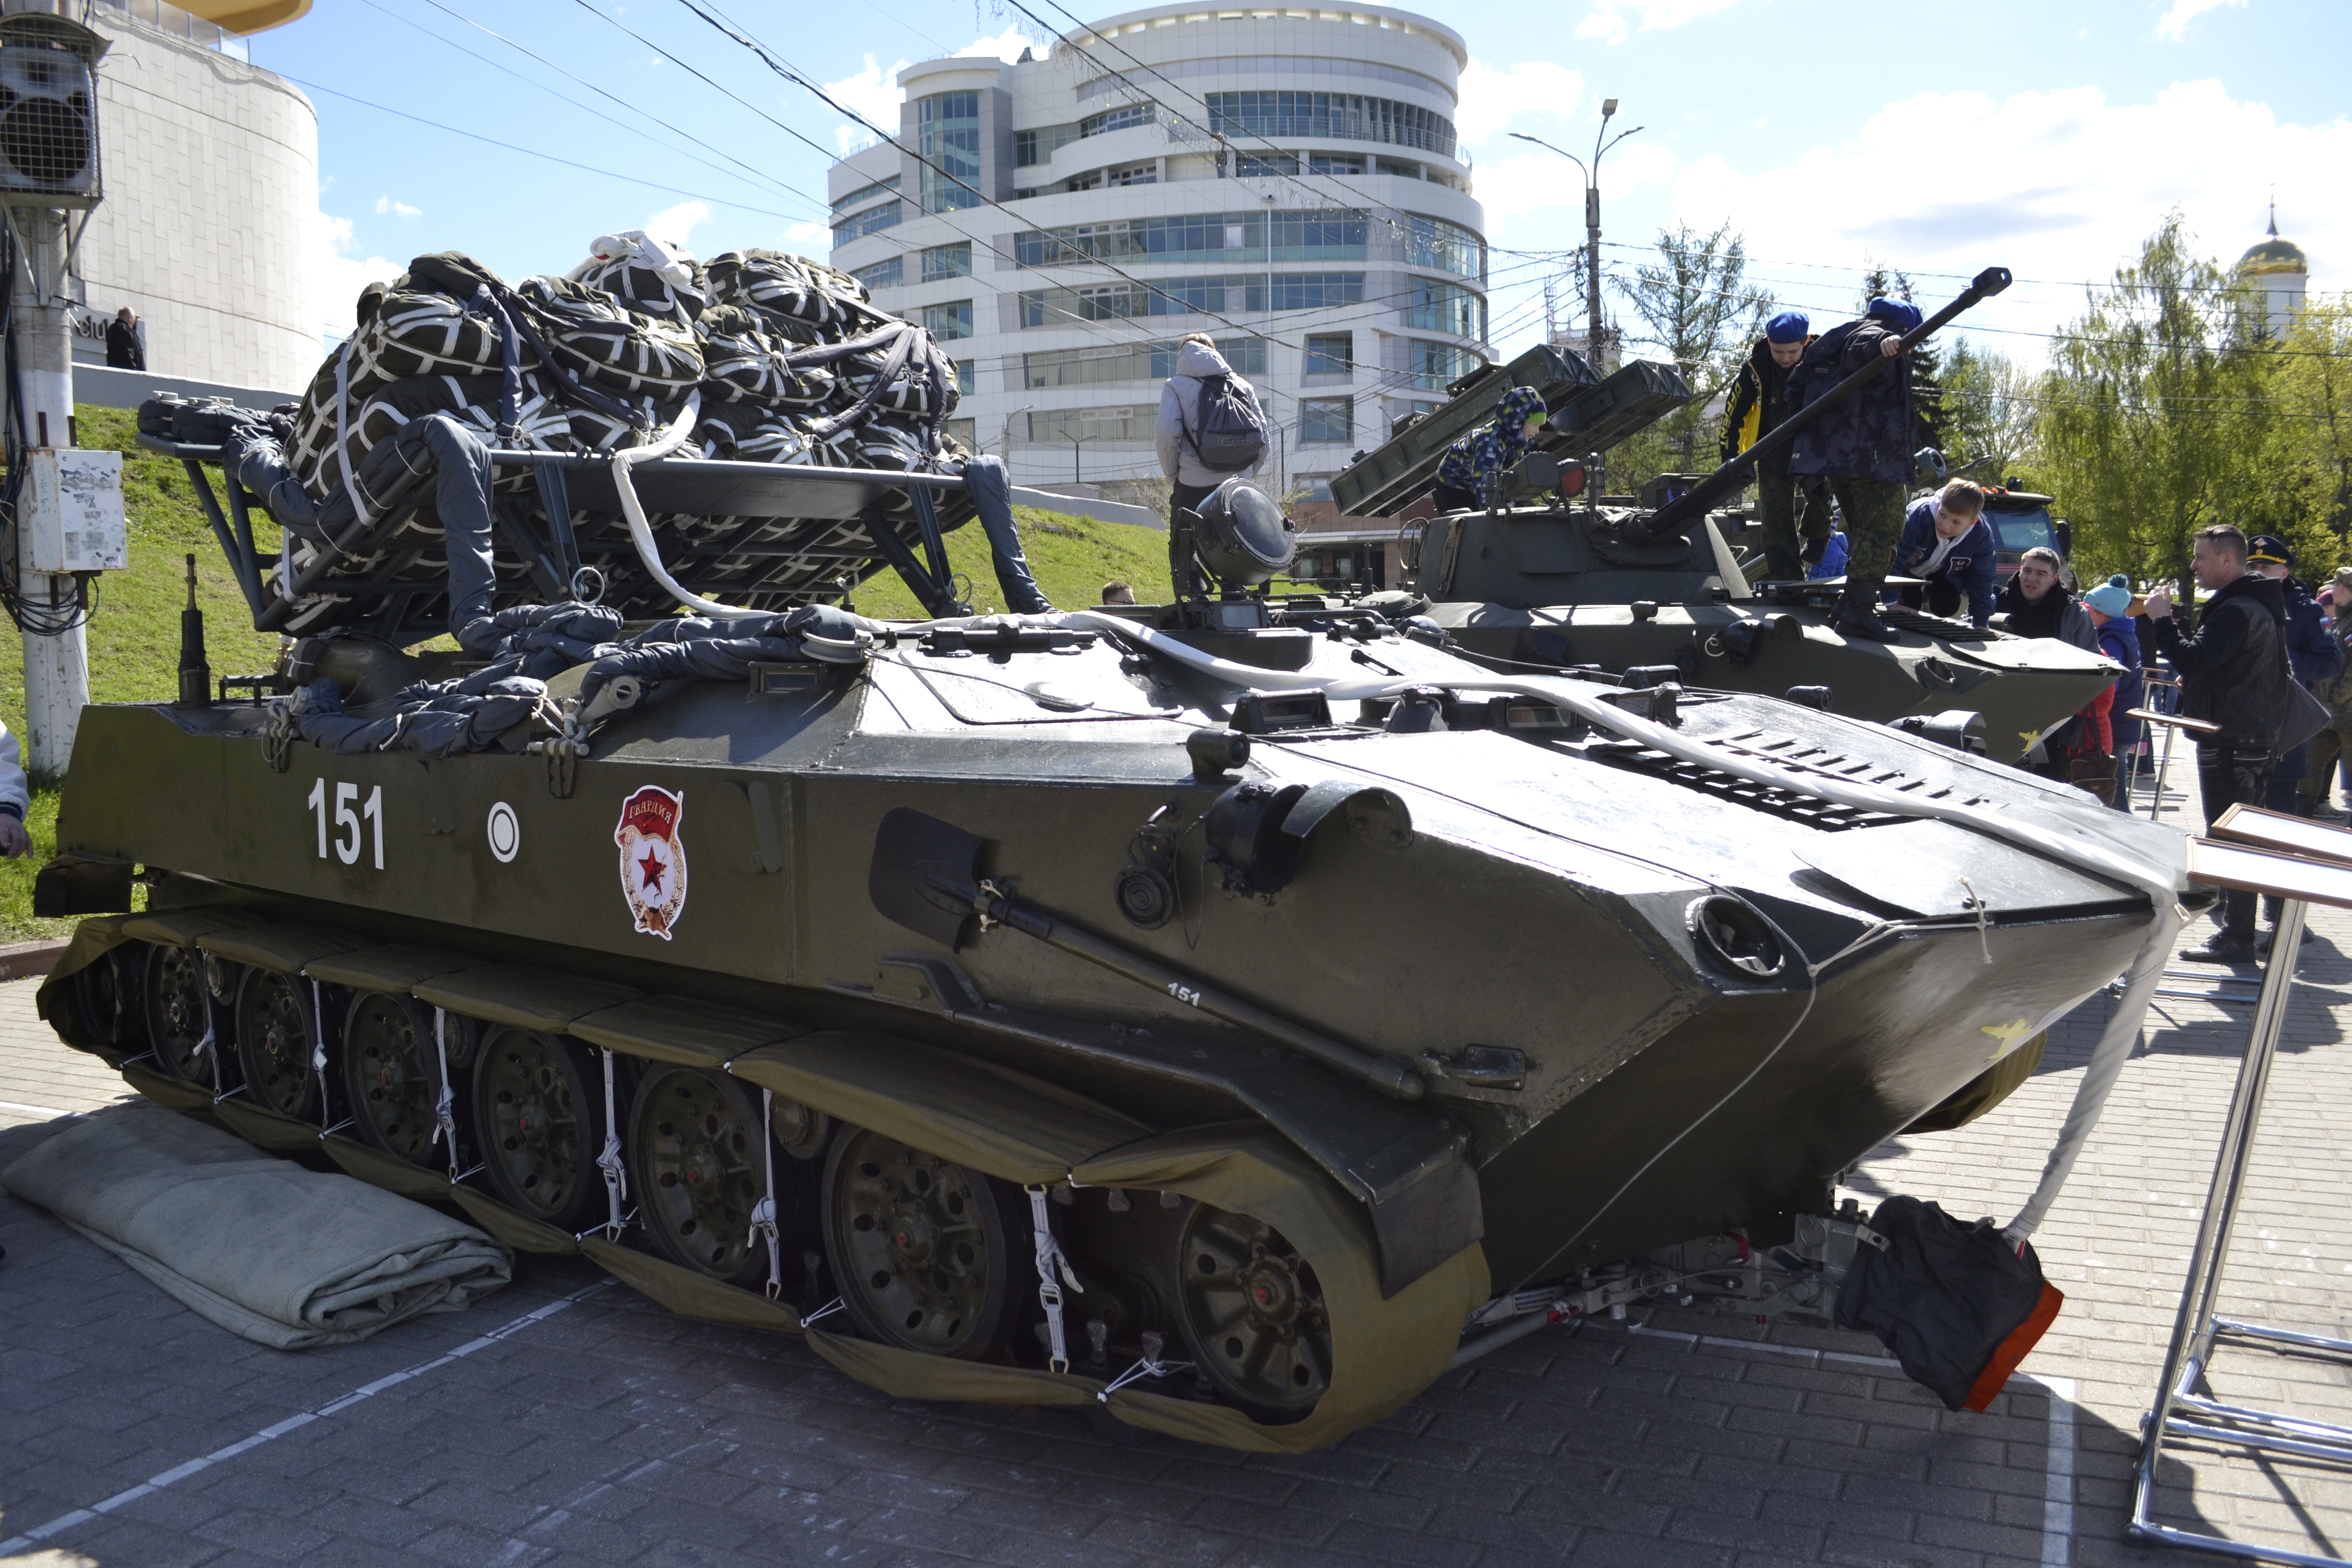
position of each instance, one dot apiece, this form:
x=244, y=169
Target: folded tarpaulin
x=281, y=1255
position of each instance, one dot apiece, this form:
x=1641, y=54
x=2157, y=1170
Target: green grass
x=134, y=639
x=1072, y=558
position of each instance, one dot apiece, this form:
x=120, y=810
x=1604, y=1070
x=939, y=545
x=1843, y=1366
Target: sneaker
x=2220, y=948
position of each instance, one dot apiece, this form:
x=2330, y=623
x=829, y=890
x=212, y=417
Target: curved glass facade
x=1339, y=116
x=948, y=135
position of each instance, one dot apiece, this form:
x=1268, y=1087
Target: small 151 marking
x=349, y=829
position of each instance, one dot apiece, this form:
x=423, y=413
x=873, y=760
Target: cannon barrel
x=1695, y=502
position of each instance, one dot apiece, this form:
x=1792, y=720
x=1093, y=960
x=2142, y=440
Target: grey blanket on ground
x=279, y=1254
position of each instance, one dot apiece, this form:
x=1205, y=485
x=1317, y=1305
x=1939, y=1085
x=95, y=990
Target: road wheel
x=538, y=1109
x=274, y=1040
x=391, y=1076
x=921, y=1248
x=698, y=1156
x=1253, y=1313
x=175, y=1015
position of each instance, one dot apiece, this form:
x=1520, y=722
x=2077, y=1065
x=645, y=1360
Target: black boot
x=1857, y=614
x=2221, y=947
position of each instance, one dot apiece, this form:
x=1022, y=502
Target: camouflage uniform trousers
x=1874, y=526
x=2330, y=746
x=1780, y=497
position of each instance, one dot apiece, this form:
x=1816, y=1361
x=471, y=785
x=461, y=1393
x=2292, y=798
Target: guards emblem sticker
x=653, y=859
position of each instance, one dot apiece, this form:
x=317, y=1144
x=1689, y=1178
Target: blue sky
x=2048, y=138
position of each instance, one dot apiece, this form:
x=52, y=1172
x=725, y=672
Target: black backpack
x=1231, y=436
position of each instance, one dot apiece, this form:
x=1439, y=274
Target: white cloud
x=2054, y=186
x=1007, y=46
x=397, y=209
x=2175, y=22
x=874, y=93
x=1492, y=98
x=815, y=236
x=1608, y=18
x=338, y=276
x=676, y=224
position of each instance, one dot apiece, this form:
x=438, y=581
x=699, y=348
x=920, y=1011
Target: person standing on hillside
x=1863, y=447
x=124, y=349
x=1205, y=414
x=2233, y=673
x=1759, y=403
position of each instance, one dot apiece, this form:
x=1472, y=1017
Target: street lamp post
x=1601, y=142
x=1076, y=477
x=1009, y=418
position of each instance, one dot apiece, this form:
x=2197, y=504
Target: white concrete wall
x=210, y=169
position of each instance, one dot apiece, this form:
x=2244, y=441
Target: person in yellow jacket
x=1759, y=400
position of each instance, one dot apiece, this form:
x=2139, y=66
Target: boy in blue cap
x=1863, y=447
x=1760, y=401
x=1488, y=450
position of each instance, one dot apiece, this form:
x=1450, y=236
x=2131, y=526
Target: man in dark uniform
x=1759, y=402
x=1863, y=447
x=124, y=349
x=2233, y=673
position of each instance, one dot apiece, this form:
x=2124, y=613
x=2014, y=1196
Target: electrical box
x=73, y=510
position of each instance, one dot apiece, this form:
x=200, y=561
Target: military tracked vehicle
x=1221, y=1017
x=1553, y=572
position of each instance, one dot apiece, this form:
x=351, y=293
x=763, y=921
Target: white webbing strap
x=1149, y=1366
x=318, y=1047
x=445, y=1111
x=763, y=1212
x=342, y=435
x=616, y=1175
x=210, y=1043
x=1049, y=1289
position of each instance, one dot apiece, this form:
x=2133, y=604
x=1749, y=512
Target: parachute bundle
x=782, y=359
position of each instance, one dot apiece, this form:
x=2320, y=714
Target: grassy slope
x=134, y=639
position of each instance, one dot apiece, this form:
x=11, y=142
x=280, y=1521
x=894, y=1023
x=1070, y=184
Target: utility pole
x=1601, y=142
x=67, y=521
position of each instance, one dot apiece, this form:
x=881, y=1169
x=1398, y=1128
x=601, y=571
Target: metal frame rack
x=2301, y=862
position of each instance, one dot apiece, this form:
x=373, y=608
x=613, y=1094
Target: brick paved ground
x=604, y=1431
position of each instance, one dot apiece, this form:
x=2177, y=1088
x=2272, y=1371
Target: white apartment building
x=1287, y=181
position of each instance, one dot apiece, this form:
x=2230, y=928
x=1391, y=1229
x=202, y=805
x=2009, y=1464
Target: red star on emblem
x=651, y=868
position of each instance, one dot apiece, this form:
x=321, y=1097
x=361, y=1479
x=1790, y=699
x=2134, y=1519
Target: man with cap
x=1464, y=472
x=1948, y=542
x=1863, y=447
x=2332, y=746
x=1759, y=402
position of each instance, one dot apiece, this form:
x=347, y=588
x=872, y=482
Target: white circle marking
x=505, y=833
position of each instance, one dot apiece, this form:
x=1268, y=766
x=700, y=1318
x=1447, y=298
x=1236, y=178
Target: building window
x=883, y=274
x=947, y=137
x=1335, y=162
x=949, y=322
x=1401, y=171
x=1034, y=147
x=1315, y=291
x=1130, y=361
x=967, y=377
x=1226, y=294
x=1326, y=420
x=1249, y=166
x=1436, y=366
x=1335, y=233
x=1331, y=353
x=963, y=433
x=1438, y=307
x=1133, y=174
x=1119, y=119
x=1089, y=181
x=863, y=194
x=1330, y=116
x=948, y=262
x=1092, y=425
x=867, y=222
x=1447, y=247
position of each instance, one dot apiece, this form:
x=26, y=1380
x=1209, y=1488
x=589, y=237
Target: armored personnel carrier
x=1553, y=573
x=1219, y=1016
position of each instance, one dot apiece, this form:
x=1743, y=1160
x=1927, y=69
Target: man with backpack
x=1209, y=428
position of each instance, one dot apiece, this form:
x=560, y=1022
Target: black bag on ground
x=1957, y=1304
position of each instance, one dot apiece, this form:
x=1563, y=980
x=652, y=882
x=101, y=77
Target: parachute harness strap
x=210, y=1043
x=1049, y=1289
x=1151, y=1365
x=616, y=1175
x=445, y=1111
x=1978, y=904
x=319, y=1048
x=763, y=1212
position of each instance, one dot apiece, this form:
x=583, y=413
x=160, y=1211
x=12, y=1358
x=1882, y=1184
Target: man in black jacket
x=124, y=349
x=2233, y=673
x=1864, y=449
x=1759, y=402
